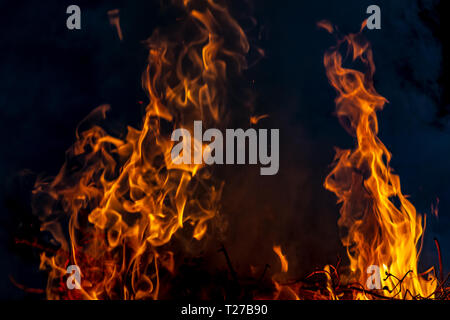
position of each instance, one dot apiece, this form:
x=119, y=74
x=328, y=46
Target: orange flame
x=123, y=198
x=381, y=226
x=256, y=119
x=114, y=20
x=283, y=291
x=283, y=260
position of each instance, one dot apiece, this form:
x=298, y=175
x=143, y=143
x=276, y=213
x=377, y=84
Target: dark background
x=51, y=78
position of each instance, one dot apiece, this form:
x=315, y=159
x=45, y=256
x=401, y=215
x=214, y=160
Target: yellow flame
x=283, y=260
x=382, y=226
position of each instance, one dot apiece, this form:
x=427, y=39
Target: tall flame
x=381, y=227
x=116, y=203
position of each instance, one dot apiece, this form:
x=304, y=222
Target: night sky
x=52, y=77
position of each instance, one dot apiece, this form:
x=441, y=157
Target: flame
x=256, y=119
x=381, y=225
x=116, y=203
x=283, y=260
x=283, y=291
x=382, y=228
x=114, y=20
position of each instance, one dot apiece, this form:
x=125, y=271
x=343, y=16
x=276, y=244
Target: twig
x=230, y=266
x=441, y=271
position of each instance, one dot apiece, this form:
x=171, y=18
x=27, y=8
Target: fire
x=283, y=291
x=114, y=207
x=382, y=227
x=121, y=209
x=283, y=260
x=114, y=20
x=256, y=119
